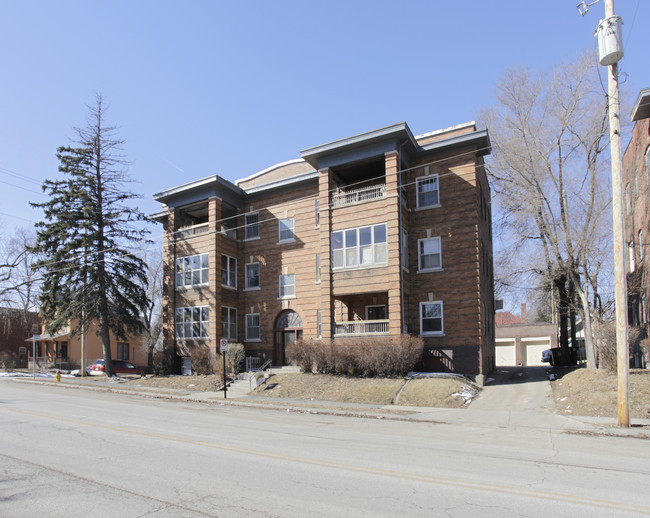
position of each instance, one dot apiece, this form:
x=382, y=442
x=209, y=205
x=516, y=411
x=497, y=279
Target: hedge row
x=366, y=357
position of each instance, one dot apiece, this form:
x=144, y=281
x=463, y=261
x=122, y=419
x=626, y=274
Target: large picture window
x=429, y=254
x=192, y=322
x=228, y=271
x=428, y=193
x=192, y=270
x=431, y=318
x=363, y=246
x=229, y=323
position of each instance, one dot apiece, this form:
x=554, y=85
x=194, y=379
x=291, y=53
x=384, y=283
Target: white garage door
x=534, y=352
x=505, y=352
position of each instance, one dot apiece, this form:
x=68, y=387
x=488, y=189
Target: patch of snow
x=191, y=385
x=467, y=394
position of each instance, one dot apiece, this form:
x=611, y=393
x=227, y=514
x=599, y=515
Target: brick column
x=325, y=184
x=214, y=217
x=393, y=241
x=169, y=282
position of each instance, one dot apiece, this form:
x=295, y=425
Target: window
x=318, y=213
x=363, y=246
x=229, y=323
x=630, y=251
x=287, y=286
x=317, y=267
x=228, y=271
x=628, y=201
x=192, y=270
x=404, y=248
x=641, y=246
x=252, y=226
x=285, y=230
x=427, y=191
x=647, y=162
x=431, y=318
x=253, y=276
x=122, y=351
x=376, y=312
x=429, y=254
x=192, y=322
x=253, y=326
x=319, y=324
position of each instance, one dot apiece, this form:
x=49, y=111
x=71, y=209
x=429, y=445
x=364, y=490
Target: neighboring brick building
x=377, y=234
x=636, y=180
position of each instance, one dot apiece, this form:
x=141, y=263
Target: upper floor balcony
x=348, y=197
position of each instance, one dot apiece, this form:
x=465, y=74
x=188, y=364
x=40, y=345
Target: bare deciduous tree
x=550, y=178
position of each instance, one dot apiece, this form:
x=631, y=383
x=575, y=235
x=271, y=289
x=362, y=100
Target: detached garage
x=519, y=342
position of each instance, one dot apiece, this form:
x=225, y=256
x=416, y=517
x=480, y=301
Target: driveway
x=515, y=396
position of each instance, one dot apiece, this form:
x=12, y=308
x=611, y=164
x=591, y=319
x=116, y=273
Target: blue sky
x=230, y=88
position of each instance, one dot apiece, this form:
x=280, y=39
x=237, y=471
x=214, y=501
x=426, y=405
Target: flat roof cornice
x=642, y=106
x=395, y=131
x=209, y=181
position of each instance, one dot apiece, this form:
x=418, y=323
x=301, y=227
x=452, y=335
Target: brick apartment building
x=374, y=235
x=636, y=180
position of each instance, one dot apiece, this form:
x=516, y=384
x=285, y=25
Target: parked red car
x=119, y=366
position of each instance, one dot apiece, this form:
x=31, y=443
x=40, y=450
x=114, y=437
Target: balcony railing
x=361, y=328
x=358, y=195
x=192, y=231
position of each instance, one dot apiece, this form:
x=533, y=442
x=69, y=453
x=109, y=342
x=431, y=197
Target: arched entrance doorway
x=288, y=329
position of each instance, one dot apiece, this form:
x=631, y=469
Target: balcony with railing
x=361, y=328
x=192, y=230
x=348, y=197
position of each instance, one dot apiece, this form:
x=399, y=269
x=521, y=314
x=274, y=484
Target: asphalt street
x=66, y=452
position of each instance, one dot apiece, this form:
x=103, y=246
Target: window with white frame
x=228, y=271
x=641, y=245
x=287, y=286
x=359, y=247
x=252, y=226
x=192, y=322
x=229, y=323
x=630, y=251
x=404, y=248
x=428, y=193
x=319, y=323
x=285, y=230
x=431, y=318
x=253, y=327
x=318, y=213
x=429, y=254
x=318, y=279
x=192, y=270
x=253, y=276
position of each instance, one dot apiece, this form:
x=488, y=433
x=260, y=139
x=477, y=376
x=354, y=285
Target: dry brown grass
x=589, y=392
x=433, y=392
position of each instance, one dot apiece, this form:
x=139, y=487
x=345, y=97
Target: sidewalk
x=493, y=408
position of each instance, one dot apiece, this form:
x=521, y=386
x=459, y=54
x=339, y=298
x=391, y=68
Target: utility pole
x=622, y=352
x=610, y=47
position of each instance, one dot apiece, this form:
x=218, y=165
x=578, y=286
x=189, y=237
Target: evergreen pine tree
x=90, y=272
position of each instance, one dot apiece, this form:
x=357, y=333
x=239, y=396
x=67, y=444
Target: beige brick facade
x=348, y=204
